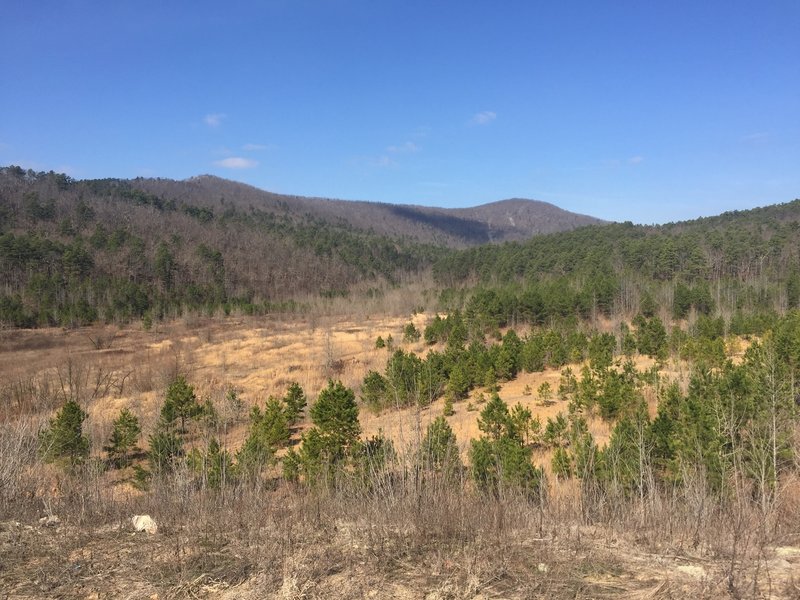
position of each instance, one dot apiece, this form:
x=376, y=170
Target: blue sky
x=626, y=110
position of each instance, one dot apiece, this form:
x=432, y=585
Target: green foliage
x=555, y=432
x=545, y=392
x=291, y=466
x=601, y=350
x=294, y=403
x=451, y=330
x=523, y=423
x=334, y=436
x=499, y=458
x=269, y=430
x=495, y=420
x=180, y=403
x=91, y=268
x=123, y=272
x=165, y=451
x=709, y=352
x=13, y=313
x=567, y=385
x=502, y=464
x=448, y=410
x=583, y=450
x=272, y=424
x=375, y=390
x=439, y=447
x=686, y=298
x=435, y=331
x=624, y=462
x=490, y=380
x=124, y=435
x=651, y=337
x=561, y=463
x=63, y=439
x=409, y=380
x=335, y=414
x=787, y=342
x=458, y=384
x=373, y=459
x=165, y=266
x=214, y=467
x=410, y=333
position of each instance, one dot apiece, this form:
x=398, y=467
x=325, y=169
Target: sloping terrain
x=280, y=542
x=506, y=220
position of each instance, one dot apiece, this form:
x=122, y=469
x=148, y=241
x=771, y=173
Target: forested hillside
x=506, y=220
x=73, y=252
x=740, y=263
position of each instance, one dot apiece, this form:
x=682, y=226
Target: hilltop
x=504, y=220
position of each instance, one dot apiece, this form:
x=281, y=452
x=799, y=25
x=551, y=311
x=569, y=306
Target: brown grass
x=400, y=537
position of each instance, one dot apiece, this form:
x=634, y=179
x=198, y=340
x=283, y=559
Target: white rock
x=49, y=521
x=144, y=523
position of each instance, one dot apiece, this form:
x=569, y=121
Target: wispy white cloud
x=382, y=161
x=254, y=147
x=635, y=160
x=407, y=148
x=483, y=118
x=237, y=162
x=755, y=138
x=214, y=119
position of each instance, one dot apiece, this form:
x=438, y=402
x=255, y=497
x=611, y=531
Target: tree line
x=77, y=252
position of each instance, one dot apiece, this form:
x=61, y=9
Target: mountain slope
x=507, y=220
x=73, y=252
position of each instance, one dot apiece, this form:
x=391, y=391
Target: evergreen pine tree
x=439, y=447
x=125, y=432
x=63, y=439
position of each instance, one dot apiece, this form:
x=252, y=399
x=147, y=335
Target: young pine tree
x=295, y=403
x=439, y=448
x=215, y=466
x=269, y=430
x=335, y=433
x=63, y=440
x=122, y=443
x=180, y=403
x=499, y=458
x=166, y=449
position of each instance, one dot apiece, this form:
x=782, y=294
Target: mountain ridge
x=513, y=219
x=75, y=252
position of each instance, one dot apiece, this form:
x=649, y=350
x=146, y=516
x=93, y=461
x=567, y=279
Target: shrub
x=125, y=433
x=63, y=440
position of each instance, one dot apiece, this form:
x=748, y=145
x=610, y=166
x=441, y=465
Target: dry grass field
x=420, y=542
x=257, y=358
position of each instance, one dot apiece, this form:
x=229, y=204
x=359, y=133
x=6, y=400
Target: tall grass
x=404, y=520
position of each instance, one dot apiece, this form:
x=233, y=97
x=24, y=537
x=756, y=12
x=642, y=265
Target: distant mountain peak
x=503, y=220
